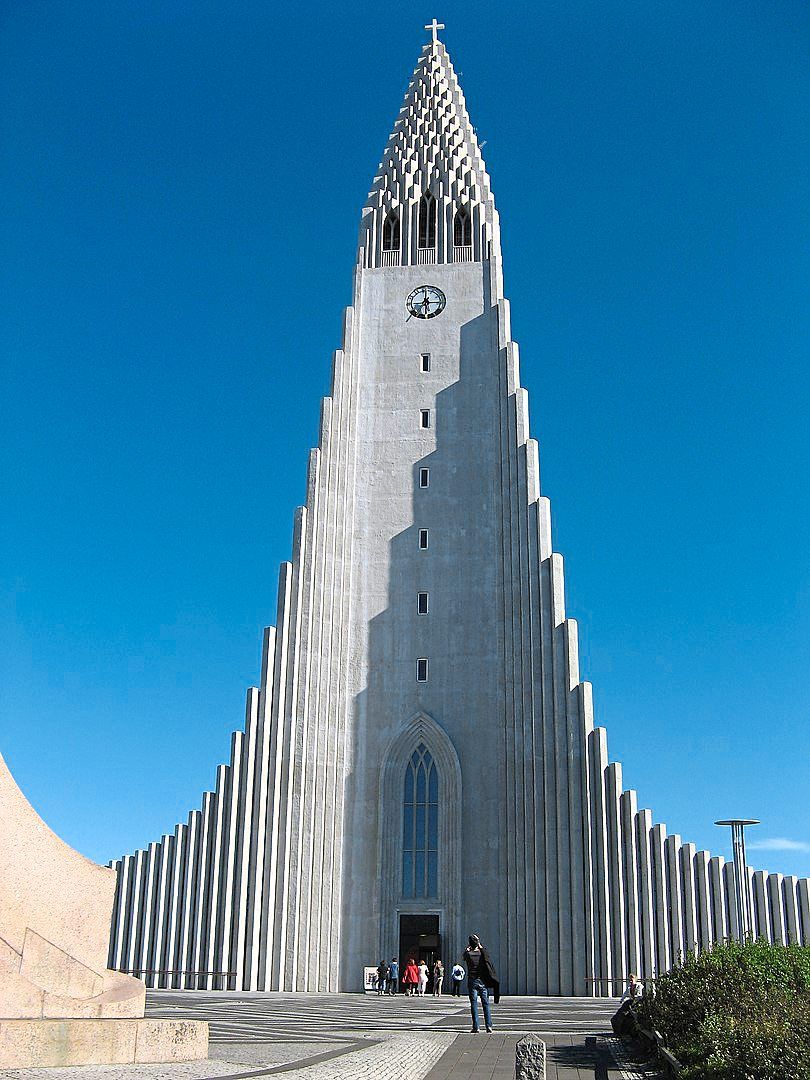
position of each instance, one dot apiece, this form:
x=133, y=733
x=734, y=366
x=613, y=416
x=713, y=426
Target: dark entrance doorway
x=419, y=938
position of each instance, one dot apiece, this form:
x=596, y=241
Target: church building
x=419, y=760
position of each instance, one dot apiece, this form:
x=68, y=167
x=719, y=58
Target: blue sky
x=180, y=198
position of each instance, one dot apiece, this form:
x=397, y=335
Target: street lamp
x=742, y=890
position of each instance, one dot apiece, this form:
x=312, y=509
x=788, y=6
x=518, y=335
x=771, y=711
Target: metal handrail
x=172, y=971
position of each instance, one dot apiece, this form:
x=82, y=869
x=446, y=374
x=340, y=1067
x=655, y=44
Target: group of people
x=480, y=973
x=415, y=977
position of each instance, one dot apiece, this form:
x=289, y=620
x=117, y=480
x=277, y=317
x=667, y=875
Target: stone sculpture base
x=26, y=1044
x=59, y=1002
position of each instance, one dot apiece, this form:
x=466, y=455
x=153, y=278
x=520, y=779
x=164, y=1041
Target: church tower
x=419, y=761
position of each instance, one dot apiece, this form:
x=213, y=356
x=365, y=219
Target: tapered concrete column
x=804, y=909
x=689, y=893
x=791, y=902
x=776, y=904
x=630, y=874
x=646, y=897
x=703, y=899
x=663, y=952
x=720, y=930
x=672, y=848
x=762, y=911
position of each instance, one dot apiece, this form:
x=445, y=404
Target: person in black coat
x=481, y=978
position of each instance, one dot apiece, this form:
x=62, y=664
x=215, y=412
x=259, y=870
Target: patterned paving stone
x=351, y=1037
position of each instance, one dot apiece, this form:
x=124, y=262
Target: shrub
x=736, y=1012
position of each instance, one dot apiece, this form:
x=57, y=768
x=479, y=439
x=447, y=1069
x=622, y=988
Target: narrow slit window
x=423, y=539
x=420, y=827
x=390, y=239
x=424, y=478
x=424, y=362
x=462, y=228
x=422, y=669
x=422, y=603
x=427, y=220
x=424, y=418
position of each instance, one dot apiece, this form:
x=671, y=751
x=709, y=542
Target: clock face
x=426, y=302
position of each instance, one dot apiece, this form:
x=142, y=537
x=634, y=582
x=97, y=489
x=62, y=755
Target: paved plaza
x=355, y=1037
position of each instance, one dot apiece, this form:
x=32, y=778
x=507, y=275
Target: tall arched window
x=420, y=839
x=462, y=228
x=427, y=220
x=390, y=236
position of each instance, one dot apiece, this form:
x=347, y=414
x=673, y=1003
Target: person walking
x=438, y=978
x=393, y=976
x=382, y=977
x=410, y=977
x=423, y=977
x=456, y=979
x=481, y=977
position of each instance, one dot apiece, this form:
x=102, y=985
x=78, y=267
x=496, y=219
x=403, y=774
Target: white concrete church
x=419, y=760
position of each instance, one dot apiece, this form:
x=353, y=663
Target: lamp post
x=742, y=888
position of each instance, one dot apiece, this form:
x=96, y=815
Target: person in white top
x=623, y=1021
x=634, y=991
x=457, y=978
x=423, y=977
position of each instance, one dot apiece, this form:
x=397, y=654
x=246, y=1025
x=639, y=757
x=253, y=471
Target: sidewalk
x=568, y=1057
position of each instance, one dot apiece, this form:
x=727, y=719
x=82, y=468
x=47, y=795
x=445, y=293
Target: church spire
x=430, y=201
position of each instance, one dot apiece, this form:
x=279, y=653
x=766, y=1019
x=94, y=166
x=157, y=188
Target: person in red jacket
x=410, y=977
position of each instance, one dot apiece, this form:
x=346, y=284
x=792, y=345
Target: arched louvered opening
x=390, y=236
x=462, y=228
x=427, y=220
x=420, y=837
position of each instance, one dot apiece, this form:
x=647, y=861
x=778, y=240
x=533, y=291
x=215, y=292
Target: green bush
x=736, y=1012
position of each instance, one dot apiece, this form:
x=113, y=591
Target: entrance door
x=419, y=938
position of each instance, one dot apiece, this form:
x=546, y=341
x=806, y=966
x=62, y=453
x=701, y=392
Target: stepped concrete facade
x=419, y=759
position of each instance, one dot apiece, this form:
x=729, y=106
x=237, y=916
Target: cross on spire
x=435, y=27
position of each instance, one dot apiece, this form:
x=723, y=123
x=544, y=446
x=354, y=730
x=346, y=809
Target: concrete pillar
x=162, y=905
x=146, y=947
x=762, y=912
x=703, y=898
x=211, y=960
x=225, y=932
x=599, y=847
x=118, y=937
x=790, y=896
x=189, y=895
x=804, y=910
x=243, y=837
x=660, y=898
x=616, y=881
x=628, y=809
x=137, y=913
x=776, y=904
x=675, y=905
x=720, y=931
x=729, y=893
x=645, y=884
x=174, y=929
